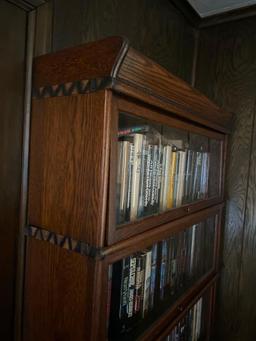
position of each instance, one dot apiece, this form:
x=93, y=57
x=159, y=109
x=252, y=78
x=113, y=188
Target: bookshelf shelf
x=126, y=183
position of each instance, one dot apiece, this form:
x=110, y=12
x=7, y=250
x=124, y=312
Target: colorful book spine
x=171, y=181
x=163, y=268
x=131, y=290
x=147, y=277
x=148, y=173
x=133, y=130
x=153, y=277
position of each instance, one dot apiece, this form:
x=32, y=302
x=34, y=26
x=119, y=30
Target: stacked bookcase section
x=126, y=183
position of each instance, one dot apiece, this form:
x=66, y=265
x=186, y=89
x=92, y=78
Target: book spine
x=124, y=178
x=154, y=179
x=200, y=304
x=192, y=177
x=147, y=283
x=163, y=268
x=110, y=272
x=163, y=181
x=148, y=186
x=142, y=177
x=129, y=189
x=153, y=277
x=138, y=284
x=119, y=181
x=171, y=182
x=159, y=175
x=138, y=140
x=181, y=179
x=176, y=179
x=132, y=274
x=133, y=130
x=174, y=270
x=123, y=310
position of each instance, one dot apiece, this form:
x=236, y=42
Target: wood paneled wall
x=155, y=28
x=226, y=72
x=12, y=70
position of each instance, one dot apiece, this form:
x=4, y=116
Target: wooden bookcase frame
x=128, y=247
x=71, y=233
x=119, y=104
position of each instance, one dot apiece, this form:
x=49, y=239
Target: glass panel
x=145, y=284
x=160, y=168
x=193, y=325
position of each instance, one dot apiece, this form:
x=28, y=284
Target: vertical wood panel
x=12, y=51
x=155, y=28
x=43, y=31
x=248, y=265
x=58, y=286
x=227, y=73
x=62, y=143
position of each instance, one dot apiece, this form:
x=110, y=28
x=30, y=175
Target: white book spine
x=138, y=140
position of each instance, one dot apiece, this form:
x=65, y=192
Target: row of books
x=140, y=282
x=153, y=177
x=190, y=326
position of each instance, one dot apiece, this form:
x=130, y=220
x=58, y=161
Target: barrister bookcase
x=126, y=183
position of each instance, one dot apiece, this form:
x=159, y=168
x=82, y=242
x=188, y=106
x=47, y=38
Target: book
x=143, y=175
x=152, y=288
x=140, y=271
x=146, y=291
x=110, y=273
x=129, y=181
x=131, y=286
x=135, y=183
x=124, y=168
x=163, y=268
x=148, y=180
x=124, y=292
x=165, y=178
x=181, y=177
x=133, y=130
x=171, y=181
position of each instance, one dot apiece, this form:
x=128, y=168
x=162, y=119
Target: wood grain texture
x=58, y=294
x=145, y=75
x=144, y=240
x=43, y=30
x=79, y=63
x=12, y=64
x=227, y=74
x=142, y=22
x=139, y=72
x=248, y=264
x=68, y=166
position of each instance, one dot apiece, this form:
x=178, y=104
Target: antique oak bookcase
x=126, y=183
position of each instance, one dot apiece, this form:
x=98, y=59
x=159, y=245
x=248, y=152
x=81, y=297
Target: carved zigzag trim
x=65, y=242
x=72, y=88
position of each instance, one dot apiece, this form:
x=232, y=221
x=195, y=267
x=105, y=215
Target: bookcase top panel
x=112, y=63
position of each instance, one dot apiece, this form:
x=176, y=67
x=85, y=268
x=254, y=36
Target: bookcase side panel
x=69, y=166
x=58, y=293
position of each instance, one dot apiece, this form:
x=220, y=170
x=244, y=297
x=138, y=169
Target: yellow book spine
x=171, y=181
